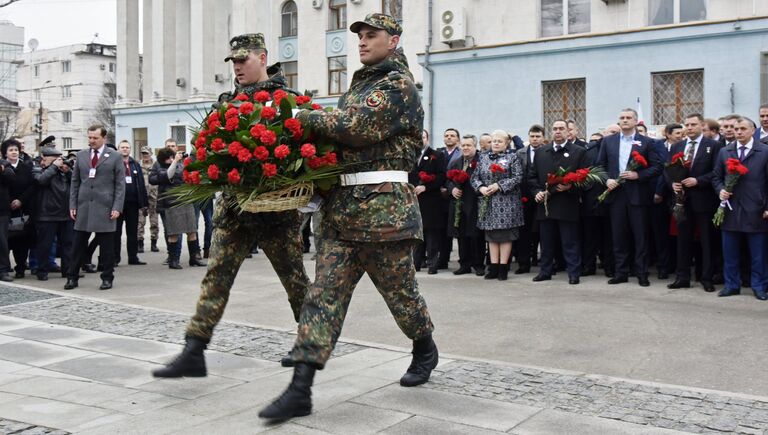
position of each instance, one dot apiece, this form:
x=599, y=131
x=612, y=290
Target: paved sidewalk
x=73, y=365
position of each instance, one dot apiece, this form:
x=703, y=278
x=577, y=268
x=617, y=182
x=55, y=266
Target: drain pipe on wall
x=430, y=72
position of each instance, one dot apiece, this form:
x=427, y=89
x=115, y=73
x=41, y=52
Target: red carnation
x=308, y=150
x=639, y=159
x=303, y=99
x=268, y=113
x=234, y=148
x=201, y=154
x=316, y=106
x=185, y=176
x=279, y=95
x=316, y=162
x=426, y=177
x=241, y=97
x=261, y=153
x=187, y=161
x=262, y=96
x=217, y=144
x=213, y=125
x=200, y=141
x=524, y=199
x=678, y=156
x=233, y=176
x=497, y=169
x=257, y=130
x=231, y=113
x=282, y=152
x=292, y=124
x=232, y=123
x=214, y=116
x=246, y=108
x=330, y=158
x=268, y=137
x=244, y=155
x=269, y=170
x=194, y=177
x=213, y=172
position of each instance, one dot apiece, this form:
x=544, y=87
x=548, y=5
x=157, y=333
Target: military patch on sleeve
x=375, y=99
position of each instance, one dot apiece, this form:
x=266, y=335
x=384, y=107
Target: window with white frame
x=66, y=91
x=337, y=75
x=36, y=70
x=393, y=8
x=554, y=12
x=337, y=16
x=66, y=66
x=66, y=116
x=66, y=142
x=290, y=19
x=662, y=12
x=291, y=73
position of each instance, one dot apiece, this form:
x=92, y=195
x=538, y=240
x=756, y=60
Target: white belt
x=374, y=177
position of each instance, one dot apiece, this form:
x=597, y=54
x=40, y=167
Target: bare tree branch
x=7, y=3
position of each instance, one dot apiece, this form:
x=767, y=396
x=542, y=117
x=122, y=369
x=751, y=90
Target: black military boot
x=153, y=247
x=296, y=401
x=424, y=361
x=140, y=247
x=287, y=360
x=195, y=259
x=189, y=363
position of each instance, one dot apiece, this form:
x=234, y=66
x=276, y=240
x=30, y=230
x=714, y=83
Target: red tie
x=95, y=158
x=127, y=170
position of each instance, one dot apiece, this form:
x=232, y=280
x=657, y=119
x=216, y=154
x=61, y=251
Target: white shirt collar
x=748, y=145
x=698, y=139
x=629, y=137
x=100, y=150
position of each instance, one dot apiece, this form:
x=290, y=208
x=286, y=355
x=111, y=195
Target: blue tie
x=742, y=150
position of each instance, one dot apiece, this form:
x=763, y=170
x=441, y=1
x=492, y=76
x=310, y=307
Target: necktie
x=95, y=158
x=127, y=169
x=557, y=148
x=742, y=151
x=465, y=165
x=689, y=151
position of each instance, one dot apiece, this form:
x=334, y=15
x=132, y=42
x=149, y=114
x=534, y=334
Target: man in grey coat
x=95, y=202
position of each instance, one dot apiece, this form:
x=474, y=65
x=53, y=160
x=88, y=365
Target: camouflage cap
x=241, y=45
x=146, y=150
x=379, y=21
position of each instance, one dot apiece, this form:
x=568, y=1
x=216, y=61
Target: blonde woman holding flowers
x=497, y=179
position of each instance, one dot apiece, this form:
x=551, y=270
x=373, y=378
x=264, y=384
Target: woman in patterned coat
x=497, y=179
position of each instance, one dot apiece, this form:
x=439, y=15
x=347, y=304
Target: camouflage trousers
x=233, y=236
x=340, y=265
x=152, y=216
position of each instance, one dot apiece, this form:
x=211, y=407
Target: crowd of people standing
x=508, y=207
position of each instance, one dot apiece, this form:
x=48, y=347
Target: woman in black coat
x=17, y=205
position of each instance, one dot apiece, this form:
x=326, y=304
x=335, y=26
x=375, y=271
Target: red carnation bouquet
x=425, y=177
x=459, y=177
x=581, y=178
x=253, y=150
x=497, y=171
x=636, y=161
x=677, y=170
x=734, y=169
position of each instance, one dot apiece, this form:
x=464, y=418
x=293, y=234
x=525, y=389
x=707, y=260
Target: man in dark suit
x=573, y=134
x=451, y=153
x=96, y=200
x=762, y=131
x=561, y=202
x=136, y=202
x=664, y=244
x=429, y=177
x=628, y=203
x=470, y=238
x=526, y=246
x=594, y=237
x=747, y=214
x=700, y=203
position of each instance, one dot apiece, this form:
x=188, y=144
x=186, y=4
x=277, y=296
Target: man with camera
x=96, y=201
x=53, y=177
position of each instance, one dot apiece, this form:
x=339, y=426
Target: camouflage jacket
x=377, y=126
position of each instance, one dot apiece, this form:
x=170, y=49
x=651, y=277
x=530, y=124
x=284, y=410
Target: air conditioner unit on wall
x=453, y=26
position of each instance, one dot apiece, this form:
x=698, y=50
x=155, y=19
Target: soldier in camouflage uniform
x=146, y=168
x=371, y=222
x=234, y=232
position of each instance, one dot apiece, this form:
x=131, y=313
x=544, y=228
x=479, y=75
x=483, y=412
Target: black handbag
x=19, y=225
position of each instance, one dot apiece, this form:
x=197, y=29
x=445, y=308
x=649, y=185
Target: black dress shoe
x=728, y=292
x=573, y=281
x=136, y=262
x=618, y=280
x=479, y=271
x=522, y=270
x=609, y=274
x=105, y=285
x=71, y=283
x=643, y=281
x=542, y=277
x=462, y=271
x=42, y=277
x=708, y=286
x=679, y=284
x=89, y=268
x=432, y=271
x=5, y=276
x=760, y=294
x=55, y=268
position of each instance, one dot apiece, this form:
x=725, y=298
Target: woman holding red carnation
x=463, y=201
x=740, y=180
x=497, y=178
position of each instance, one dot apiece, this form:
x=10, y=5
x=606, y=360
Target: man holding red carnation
x=235, y=232
x=740, y=179
x=371, y=221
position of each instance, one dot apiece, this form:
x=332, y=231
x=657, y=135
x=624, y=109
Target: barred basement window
x=564, y=99
x=179, y=134
x=676, y=94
